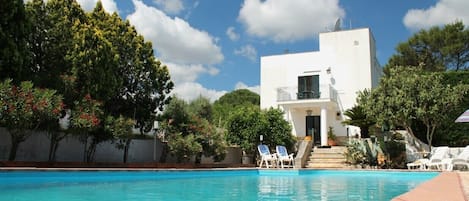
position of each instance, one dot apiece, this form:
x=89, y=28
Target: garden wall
x=36, y=148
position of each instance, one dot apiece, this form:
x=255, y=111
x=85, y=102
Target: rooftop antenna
x=337, y=25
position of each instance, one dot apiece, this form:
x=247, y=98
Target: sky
x=212, y=47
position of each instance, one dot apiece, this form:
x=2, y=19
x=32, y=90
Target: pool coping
x=446, y=186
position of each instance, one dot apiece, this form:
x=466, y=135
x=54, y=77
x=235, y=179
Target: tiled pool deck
x=448, y=186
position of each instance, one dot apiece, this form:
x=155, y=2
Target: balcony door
x=308, y=87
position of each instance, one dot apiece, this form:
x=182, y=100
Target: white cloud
x=174, y=39
x=287, y=21
x=192, y=90
x=171, y=6
x=188, y=73
x=108, y=5
x=88, y=5
x=230, y=32
x=187, y=51
x=185, y=77
x=247, y=51
x=241, y=85
x=443, y=12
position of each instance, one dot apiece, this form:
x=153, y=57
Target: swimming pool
x=207, y=185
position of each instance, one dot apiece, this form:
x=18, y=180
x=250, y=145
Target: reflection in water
x=333, y=187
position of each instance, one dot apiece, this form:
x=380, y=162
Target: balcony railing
x=326, y=91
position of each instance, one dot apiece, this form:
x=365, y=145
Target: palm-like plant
x=358, y=117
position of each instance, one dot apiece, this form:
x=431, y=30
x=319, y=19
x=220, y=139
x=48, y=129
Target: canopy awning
x=464, y=117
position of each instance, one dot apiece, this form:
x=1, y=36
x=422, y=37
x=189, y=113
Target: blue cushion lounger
x=283, y=157
x=266, y=156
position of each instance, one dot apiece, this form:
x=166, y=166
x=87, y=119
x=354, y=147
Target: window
x=308, y=87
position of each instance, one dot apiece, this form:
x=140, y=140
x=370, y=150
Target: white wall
x=36, y=148
x=283, y=71
x=351, y=56
x=351, y=66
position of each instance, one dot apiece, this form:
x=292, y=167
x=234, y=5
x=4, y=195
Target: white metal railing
x=326, y=91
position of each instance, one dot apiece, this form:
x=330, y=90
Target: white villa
x=315, y=88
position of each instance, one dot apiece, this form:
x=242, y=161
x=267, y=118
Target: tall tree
x=201, y=107
x=145, y=81
x=246, y=124
x=93, y=61
x=229, y=102
x=50, y=40
x=99, y=55
x=452, y=133
x=244, y=128
x=408, y=95
x=436, y=49
x=93, y=65
x=277, y=130
x=13, y=34
x=239, y=97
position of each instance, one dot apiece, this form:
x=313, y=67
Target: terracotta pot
x=331, y=142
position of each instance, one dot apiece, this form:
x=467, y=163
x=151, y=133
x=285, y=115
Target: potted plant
x=331, y=138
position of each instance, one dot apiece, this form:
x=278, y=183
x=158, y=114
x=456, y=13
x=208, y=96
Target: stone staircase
x=327, y=158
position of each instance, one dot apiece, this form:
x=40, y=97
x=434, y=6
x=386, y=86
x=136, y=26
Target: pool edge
x=445, y=186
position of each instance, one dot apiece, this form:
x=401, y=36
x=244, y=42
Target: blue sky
x=214, y=46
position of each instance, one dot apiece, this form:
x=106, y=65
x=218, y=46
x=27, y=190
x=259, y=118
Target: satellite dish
x=337, y=25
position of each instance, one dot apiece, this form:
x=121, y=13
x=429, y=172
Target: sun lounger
x=266, y=156
x=462, y=159
x=419, y=164
x=283, y=157
x=440, y=159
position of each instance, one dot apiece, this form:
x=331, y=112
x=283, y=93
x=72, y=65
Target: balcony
x=326, y=93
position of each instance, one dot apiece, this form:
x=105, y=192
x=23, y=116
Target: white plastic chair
x=462, y=159
x=266, y=156
x=439, y=159
x=283, y=156
x=419, y=164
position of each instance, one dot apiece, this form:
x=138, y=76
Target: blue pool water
x=243, y=185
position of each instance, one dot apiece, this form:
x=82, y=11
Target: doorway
x=313, y=127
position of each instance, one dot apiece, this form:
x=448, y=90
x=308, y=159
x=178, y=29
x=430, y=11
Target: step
x=327, y=165
x=338, y=150
x=327, y=160
x=326, y=155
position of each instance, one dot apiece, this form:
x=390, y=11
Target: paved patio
x=451, y=186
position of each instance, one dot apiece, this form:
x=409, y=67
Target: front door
x=313, y=127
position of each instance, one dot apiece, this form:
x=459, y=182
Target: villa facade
x=315, y=88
